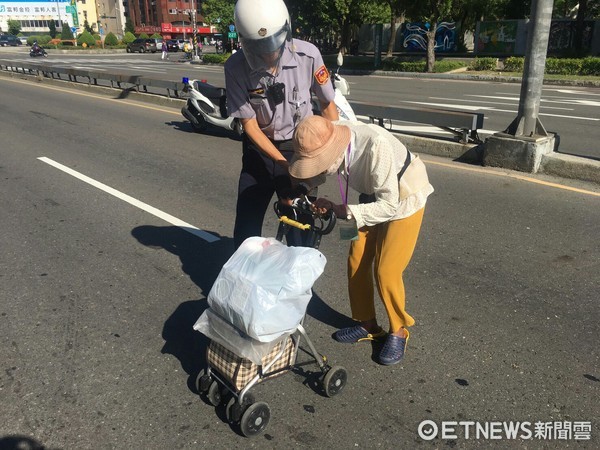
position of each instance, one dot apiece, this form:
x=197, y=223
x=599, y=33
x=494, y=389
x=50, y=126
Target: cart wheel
x=233, y=410
x=255, y=419
x=335, y=380
x=202, y=382
x=214, y=394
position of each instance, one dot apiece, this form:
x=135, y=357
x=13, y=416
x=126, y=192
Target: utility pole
x=194, y=30
x=192, y=15
x=527, y=122
x=525, y=141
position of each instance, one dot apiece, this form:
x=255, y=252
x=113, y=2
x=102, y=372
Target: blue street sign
x=232, y=28
x=74, y=29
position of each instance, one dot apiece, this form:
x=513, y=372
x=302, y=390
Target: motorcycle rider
x=269, y=83
x=35, y=48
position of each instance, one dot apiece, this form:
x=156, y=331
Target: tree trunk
x=431, y=47
x=345, y=37
x=396, y=19
x=580, y=25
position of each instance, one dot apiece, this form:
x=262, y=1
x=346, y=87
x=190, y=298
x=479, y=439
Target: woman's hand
x=322, y=205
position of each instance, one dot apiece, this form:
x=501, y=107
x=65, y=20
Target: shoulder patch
x=322, y=75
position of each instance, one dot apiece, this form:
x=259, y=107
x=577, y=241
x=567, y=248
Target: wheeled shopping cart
x=229, y=377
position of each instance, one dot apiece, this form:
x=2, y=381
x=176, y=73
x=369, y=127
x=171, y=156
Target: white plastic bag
x=265, y=287
x=220, y=331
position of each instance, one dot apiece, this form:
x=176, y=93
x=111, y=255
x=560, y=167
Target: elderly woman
x=383, y=227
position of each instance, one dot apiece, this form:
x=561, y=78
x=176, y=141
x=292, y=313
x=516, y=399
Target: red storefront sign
x=147, y=29
x=169, y=28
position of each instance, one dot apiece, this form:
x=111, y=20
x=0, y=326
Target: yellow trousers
x=386, y=250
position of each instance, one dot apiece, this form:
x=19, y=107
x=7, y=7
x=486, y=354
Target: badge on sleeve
x=322, y=75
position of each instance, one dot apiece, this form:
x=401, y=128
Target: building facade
x=170, y=18
x=35, y=16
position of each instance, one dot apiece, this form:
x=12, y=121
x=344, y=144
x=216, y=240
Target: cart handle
x=294, y=223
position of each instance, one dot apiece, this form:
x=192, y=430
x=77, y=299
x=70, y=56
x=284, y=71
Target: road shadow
x=319, y=310
x=18, y=442
x=211, y=130
x=201, y=261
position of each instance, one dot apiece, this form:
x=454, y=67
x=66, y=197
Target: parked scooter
x=37, y=51
x=206, y=105
x=342, y=89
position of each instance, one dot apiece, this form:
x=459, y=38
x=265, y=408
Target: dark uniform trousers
x=259, y=179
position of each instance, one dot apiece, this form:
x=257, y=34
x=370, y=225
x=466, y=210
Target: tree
x=580, y=25
x=86, y=38
x=66, y=34
x=111, y=39
x=431, y=12
x=397, y=8
x=52, y=28
x=219, y=13
x=334, y=21
x=467, y=13
x=14, y=27
x=87, y=27
x=129, y=37
x=129, y=26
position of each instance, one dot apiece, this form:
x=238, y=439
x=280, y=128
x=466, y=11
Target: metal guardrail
x=120, y=81
x=462, y=124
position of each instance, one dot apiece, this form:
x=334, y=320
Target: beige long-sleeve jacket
x=371, y=167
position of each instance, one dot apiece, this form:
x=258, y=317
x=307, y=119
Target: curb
x=555, y=164
x=568, y=166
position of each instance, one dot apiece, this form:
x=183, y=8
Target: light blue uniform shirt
x=301, y=70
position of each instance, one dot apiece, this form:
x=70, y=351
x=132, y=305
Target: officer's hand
x=322, y=205
x=283, y=163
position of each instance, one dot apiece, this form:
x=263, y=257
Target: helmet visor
x=264, y=54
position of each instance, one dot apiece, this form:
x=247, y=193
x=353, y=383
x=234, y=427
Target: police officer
x=269, y=84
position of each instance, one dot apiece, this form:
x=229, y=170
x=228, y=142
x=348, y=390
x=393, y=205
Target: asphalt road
x=572, y=112
x=99, y=294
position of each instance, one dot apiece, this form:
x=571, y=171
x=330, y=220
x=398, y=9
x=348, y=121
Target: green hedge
x=215, y=58
x=484, y=64
x=41, y=39
x=590, y=66
x=129, y=37
x=514, y=64
x=559, y=66
x=86, y=38
x=111, y=39
x=447, y=66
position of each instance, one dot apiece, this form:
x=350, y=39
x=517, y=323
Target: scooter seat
x=210, y=91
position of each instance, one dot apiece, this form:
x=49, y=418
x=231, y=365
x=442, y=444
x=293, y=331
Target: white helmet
x=263, y=27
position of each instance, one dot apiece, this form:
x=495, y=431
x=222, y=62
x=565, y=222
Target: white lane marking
x=569, y=101
x=132, y=201
x=572, y=91
x=495, y=103
x=491, y=108
x=570, y=117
